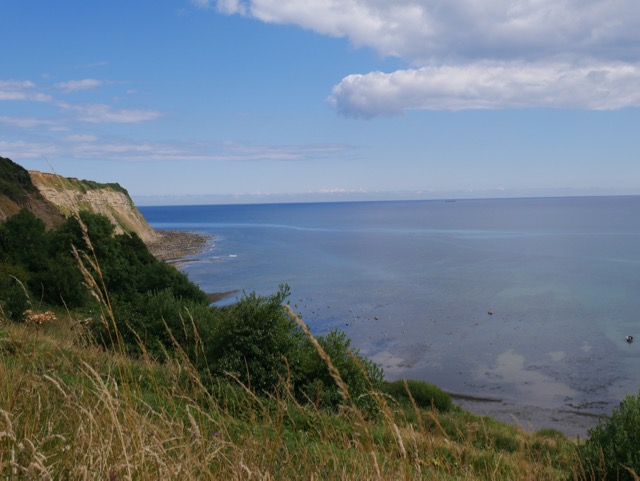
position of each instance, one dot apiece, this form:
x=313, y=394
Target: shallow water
x=526, y=301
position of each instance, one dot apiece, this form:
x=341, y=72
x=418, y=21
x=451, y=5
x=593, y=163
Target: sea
x=520, y=308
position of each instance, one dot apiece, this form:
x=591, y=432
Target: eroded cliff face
x=71, y=196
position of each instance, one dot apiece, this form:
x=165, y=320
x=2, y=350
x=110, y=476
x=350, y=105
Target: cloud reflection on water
x=509, y=371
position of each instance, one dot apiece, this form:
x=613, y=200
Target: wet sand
x=218, y=296
x=530, y=418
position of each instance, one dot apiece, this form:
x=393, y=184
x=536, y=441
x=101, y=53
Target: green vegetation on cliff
x=14, y=181
x=86, y=185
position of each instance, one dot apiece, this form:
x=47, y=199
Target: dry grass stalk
x=335, y=374
x=342, y=386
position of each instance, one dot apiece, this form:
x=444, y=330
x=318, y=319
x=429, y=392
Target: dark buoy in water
x=629, y=339
x=490, y=312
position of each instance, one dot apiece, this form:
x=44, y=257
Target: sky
x=254, y=101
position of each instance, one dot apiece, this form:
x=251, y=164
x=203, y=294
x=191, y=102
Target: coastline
x=172, y=246
x=175, y=247
x=572, y=424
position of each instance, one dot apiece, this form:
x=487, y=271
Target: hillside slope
x=17, y=192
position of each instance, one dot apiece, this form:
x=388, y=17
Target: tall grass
x=69, y=410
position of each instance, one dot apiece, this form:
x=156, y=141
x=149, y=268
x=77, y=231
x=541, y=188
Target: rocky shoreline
x=173, y=246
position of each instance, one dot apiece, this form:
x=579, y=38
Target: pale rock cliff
x=71, y=196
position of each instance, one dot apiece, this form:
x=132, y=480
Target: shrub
x=424, y=394
x=613, y=447
x=251, y=340
x=159, y=320
x=24, y=236
x=60, y=282
x=314, y=381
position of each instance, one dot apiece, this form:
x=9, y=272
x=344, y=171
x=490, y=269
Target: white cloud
x=90, y=147
x=84, y=84
x=25, y=122
x=16, y=84
x=21, y=90
x=489, y=85
x=25, y=90
x=423, y=30
x=472, y=54
x=249, y=152
x=17, y=150
x=224, y=6
x=201, y=3
x=81, y=138
x=101, y=113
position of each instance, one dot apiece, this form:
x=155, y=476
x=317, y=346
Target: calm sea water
x=525, y=301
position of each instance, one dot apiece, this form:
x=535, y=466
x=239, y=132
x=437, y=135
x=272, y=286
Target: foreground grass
x=71, y=411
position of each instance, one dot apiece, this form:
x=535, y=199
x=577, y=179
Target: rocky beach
x=173, y=246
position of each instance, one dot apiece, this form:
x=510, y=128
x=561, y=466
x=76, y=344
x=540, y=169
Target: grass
x=71, y=411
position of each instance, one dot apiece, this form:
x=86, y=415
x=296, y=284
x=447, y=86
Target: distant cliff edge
x=52, y=197
x=72, y=195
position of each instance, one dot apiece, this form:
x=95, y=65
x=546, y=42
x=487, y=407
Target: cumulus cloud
x=424, y=30
x=489, y=85
x=466, y=54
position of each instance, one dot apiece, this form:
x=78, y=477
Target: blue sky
x=229, y=101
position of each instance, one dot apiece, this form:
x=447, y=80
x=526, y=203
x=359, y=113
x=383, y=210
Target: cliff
x=70, y=196
x=53, y=197
x=17, y=192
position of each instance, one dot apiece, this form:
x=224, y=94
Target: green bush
x=314, y=381
x=157, y=310
x=60, y=282
x=252, y=340
x=155, y=322
x=424, y=394
x=613, y=447
x=24, y=239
